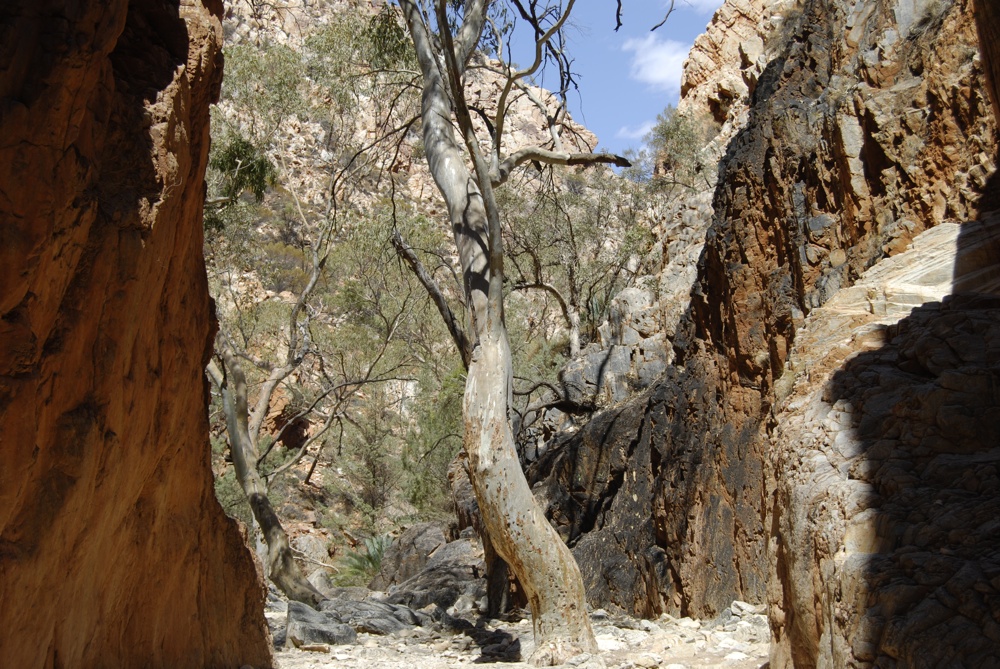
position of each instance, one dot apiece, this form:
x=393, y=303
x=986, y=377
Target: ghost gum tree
x=445, y=35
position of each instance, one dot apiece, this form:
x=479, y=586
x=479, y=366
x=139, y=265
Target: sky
x=627, y=78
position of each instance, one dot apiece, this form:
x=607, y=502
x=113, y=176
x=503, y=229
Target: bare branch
x=550, y=289
x=437, y=296
x=540, y=45
x=553, y=158
x=669, y=12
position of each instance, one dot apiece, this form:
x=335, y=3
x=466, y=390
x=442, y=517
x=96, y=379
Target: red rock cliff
x=113, y=550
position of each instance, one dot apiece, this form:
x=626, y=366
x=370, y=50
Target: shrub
x=361, y=566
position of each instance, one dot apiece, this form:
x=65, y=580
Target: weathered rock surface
x=408, y=554
x=113, y=550
x=851, y=148
x=307, y=626
x=454, y=574
x=887, y=493
x=722, y=69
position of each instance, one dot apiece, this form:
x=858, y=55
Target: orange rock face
x=113, y=550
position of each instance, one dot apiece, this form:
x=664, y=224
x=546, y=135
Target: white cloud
x=657, y=62
x=634, y=132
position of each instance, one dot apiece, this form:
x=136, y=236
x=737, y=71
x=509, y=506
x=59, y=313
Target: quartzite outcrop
x=857, y=127
x=113, y=551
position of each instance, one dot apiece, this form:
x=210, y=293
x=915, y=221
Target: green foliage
x=372, y=450
x=243, y=167
x=677, y=145
x=388, y=44
x=284, y=267
x=232, y=498
x=434, y=438
x=265, y=83
x=582, y=237
x=359, y=567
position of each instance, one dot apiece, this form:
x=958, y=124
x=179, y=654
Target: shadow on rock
x=890, y=517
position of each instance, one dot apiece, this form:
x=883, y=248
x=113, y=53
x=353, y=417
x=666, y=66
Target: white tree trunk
x=518, y=529
x=520, y=532
x=574, y=332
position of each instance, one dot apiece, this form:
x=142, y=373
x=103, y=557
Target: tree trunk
x=518, y=529
x=574, y=332
x=281, y=566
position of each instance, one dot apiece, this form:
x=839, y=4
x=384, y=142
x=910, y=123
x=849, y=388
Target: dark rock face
x=456, y=570
x=113, y=549
x=868, y=125
x=408, y=554
x=307, y=626
x=987, y=16
x=374, y=617
x=653, y=483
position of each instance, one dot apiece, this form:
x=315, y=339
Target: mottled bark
x=518, y=529
x=282, y=569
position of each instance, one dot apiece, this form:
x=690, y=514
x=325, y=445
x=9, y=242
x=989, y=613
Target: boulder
x=408, y=554
x=456, y=569
x=374, y=617
x=305, y=626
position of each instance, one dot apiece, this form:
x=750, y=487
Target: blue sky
x=627, y=78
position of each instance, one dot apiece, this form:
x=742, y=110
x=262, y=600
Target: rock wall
x=988, y=24
x=885, y=548
x=867, y=124
x=113, y=550
x=887, y=495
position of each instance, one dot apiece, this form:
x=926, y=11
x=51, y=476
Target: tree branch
x=437, y=296
x=472, y=28
x=553, y=158
x=540, y=45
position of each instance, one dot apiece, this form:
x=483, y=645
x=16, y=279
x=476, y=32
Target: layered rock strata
x=867, y=125
x=113, y=550
x=887, y=494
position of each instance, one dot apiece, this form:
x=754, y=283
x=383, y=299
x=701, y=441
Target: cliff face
x=113, y=550
x=866, y=124
x=884, y=546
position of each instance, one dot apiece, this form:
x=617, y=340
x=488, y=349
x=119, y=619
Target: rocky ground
x=738, y=639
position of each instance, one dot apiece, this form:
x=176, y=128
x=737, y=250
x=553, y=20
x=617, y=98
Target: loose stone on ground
x=737, y=639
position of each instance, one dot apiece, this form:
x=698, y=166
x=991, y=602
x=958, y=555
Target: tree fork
x=517, y=527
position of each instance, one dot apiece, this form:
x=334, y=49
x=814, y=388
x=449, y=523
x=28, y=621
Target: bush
x=243, y=167
x=285, y=268
x=361, y=566
x=678, y=143
x=232, y=498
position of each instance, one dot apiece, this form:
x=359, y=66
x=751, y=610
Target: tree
x=575, y=241
x=516, y=525
x=284, y=273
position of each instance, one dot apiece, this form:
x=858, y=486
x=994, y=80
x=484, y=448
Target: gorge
x=822, y=441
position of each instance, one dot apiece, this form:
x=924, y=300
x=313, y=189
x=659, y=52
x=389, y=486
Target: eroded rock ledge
x=113, y=551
